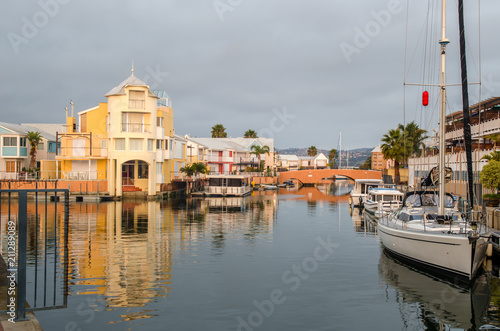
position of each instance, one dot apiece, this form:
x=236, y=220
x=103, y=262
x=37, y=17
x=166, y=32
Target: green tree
x=332, y=155
x=250, y=134
x=312, y=151
x=200, y=168
x=258, y=151
x=34, y=138
x=493, y=156
x=219, y=131
x=413, y=137
x=490, y=175
x=188, y=170
x=367, y=164
x=393, y=149
x=195, y=168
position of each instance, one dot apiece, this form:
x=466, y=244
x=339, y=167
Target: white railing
x=80, y=175
x=238, y=190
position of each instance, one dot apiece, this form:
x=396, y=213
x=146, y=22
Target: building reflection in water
x=438, y=304
x=125, y=251
x=362, y=222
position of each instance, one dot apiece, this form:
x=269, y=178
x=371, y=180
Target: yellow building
x=128, y=141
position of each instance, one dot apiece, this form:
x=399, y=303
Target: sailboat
x=428, y=231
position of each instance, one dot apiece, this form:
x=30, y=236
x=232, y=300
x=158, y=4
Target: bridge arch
x=314, y=176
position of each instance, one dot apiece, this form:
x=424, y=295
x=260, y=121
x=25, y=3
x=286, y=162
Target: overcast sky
x=299, y=71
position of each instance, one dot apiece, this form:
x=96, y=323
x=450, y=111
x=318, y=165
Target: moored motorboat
x=227, y=185
x=381, y=201
x=360, y=190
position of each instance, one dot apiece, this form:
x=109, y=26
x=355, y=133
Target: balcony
x=136, y=127
x=84, y=151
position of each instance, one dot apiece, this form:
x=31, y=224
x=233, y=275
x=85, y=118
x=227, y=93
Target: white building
x=227, y=155
x=15, y=149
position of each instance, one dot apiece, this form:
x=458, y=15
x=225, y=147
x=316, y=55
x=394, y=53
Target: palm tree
x=219, y=131
x=195, y=168
x=493, y=156
x=393, y=148
x=312, y=151
x=200, y=168
x=34, y=138
x=188, y=170
x=250, y=134
x=258, y=151
x=332, y=155
x=413, y=139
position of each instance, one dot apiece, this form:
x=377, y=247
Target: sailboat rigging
x=428, y=230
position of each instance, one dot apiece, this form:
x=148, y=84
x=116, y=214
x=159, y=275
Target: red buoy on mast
x=425, y=98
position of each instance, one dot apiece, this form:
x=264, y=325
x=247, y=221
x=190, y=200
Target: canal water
x=277, y=260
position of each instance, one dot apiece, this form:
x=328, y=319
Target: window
x=159, y=121
x=159, y=168
x=40, y=146
x=136, y=100
x=11, y=166
x=22, y=142
x=159, y=144
x=83, y=123
x=119, y=144
x=166, y=144
x=9, y=141
x=150, y=144
x=143, y=169
x=133, y=122
x=52, y=147
x=136, y=144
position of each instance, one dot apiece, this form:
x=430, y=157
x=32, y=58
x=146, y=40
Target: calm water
x=293, y=260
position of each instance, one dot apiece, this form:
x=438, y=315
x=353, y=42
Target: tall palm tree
x=413, y=139
x=250, y=134
x=219, y=131
x=312, y=151
x=258, y=151
x=393, y=149
x=34, y=138
x=332, y=155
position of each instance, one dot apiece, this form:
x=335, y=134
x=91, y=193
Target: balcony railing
x=136, y=127
x=83, y=152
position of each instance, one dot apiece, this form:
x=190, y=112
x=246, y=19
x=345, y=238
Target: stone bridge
x=315, y=176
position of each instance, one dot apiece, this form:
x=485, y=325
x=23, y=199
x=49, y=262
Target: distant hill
x=356, y=156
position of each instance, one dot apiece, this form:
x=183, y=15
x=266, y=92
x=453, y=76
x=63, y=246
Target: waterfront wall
x=74, y=186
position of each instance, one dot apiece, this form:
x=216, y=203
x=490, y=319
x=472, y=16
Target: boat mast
x=465, y=104
x=442, y=148
x=340, y=153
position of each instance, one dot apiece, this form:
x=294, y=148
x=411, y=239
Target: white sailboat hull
x=450, y=255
